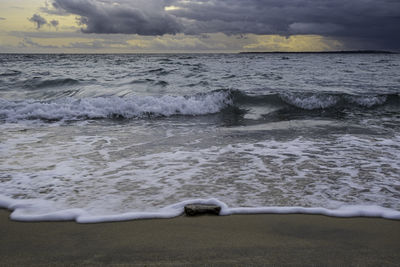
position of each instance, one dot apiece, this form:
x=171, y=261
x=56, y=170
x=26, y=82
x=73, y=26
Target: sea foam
x=310, y=101
x=35, y=210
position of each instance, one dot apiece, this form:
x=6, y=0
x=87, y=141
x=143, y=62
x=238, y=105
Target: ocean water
x=98, y=138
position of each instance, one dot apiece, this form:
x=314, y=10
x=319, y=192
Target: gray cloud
x=28, y=42
x=86, y=45
x=143, y=17
x=375, y=22
x=38, y=20
x=48, y=8
x=358, y=22
x=101, y=44
x=314, y=28
x=71, y=34
x=2, y=18
x=54, y=23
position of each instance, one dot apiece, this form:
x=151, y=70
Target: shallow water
x=114, y=134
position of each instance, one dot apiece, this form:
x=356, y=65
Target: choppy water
x=116, y=134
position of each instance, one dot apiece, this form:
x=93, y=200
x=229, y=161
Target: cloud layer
x=375, y=22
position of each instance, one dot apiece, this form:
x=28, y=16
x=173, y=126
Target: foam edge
x=22, y=211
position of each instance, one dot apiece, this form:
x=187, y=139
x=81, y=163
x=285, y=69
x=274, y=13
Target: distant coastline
x=327, y=52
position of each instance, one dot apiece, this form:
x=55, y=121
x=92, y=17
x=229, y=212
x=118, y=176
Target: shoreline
x=177, y=209
x=262, y=239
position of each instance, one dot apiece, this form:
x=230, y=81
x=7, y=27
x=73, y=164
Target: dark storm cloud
x=373, y=21
x=38, y=20
x=121, y=17
x=376, y=22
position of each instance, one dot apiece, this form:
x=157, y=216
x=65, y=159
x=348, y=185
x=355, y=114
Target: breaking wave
x=67, y=108
x=114, y=107
x=323, y=101
x=315, y=101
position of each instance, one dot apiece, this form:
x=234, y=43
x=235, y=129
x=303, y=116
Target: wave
x=114, y=107
x=70, y=109
x=38, y=83
x=10, y=73
x=316, y=101
x=42, y=210
x=159, y=71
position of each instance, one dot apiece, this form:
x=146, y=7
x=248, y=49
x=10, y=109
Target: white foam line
x=22, y=210
x=344, y=212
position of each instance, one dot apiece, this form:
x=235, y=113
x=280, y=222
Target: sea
x=111, y=137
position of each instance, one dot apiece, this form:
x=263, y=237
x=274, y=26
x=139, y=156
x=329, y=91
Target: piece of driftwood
x=200, y=209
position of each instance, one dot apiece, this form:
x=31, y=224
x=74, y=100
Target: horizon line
x=205, y=52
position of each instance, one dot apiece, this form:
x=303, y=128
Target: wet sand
x=206, y=240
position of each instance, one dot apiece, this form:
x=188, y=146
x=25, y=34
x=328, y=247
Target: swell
x=111, y=107
x=10, y=73
x=38, y=83
x=34, y=83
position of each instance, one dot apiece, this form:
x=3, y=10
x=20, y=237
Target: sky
x=151, y=26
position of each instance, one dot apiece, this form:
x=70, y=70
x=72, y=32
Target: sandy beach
x=205, y=240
